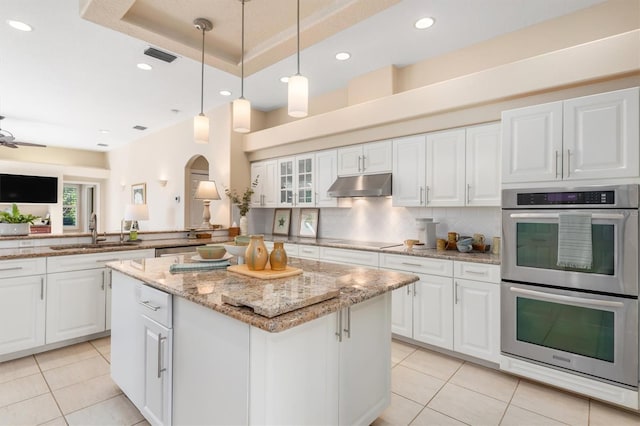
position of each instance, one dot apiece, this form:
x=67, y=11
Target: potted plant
x=242, y=202
x=15, y=223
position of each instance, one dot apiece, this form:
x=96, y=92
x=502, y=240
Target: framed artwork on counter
x=309, y=223
x=281, y=222
x=139, y=193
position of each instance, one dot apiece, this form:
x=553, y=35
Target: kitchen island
x=183, y=356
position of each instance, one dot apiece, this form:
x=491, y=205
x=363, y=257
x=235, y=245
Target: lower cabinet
x=22, y=313
x=156, y=402
x=433, y=311
x=75, y=304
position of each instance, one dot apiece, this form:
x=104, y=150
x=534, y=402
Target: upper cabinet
x=326, y=174
x=451, y=168
x=264, y=194
x=296, y=186
x=368, y=158
x=592, y=137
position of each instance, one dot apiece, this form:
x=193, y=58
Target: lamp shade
x=298, y=96
x=241, y=115
x=207, y=190
x=201, y=128
x=136, y=212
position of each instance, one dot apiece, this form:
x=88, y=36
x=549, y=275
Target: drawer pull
x=106, y=260
x=471, y=271
x=412, y=264
x=15, y=268
x=147, y=305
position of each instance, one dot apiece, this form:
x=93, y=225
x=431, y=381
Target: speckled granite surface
x=355, y=284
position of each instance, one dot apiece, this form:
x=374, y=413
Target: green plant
x=14, y=216
x=243, y=201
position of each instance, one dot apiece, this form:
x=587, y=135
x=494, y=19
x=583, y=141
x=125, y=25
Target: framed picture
x=309, y=222
x=139, y=193
x=281, y=222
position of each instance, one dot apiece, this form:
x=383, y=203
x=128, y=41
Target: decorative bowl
x=464, y=248
x=242, y=240
x=211, y=252
x=235, y=249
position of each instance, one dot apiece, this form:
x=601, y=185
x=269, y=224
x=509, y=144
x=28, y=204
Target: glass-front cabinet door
x=295, y=180
x=305, y=194
x=285, y=181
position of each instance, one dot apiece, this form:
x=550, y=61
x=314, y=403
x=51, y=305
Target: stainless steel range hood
x=361, y=186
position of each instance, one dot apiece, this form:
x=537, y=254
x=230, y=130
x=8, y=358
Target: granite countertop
x=47, y=251
x=355, y=284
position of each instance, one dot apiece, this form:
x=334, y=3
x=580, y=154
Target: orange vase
x=256, y=256
x=278, y=257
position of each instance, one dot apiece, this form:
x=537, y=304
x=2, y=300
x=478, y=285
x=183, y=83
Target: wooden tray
x=266, y=274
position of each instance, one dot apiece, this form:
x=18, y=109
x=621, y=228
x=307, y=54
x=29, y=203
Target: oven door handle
x=561, y=298
x=605, y=216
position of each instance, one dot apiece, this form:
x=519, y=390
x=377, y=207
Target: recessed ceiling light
x=104, y=130
x=225, y=93
x=19, y=25
x=284, y=79
x=343, y=56
x=424, y=23
x=144, y=66
x=103, y=144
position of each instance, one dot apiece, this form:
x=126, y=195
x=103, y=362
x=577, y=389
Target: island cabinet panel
x=22, y=313
x=210, y=366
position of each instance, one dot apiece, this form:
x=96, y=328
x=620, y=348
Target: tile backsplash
x=374, y=219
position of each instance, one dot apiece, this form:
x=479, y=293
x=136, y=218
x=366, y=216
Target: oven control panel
x=564, y=197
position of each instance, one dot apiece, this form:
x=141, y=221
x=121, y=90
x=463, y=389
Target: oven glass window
x=579, y=330
x=537, y=247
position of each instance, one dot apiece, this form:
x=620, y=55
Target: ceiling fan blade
x=8, y=144
x=28, y=144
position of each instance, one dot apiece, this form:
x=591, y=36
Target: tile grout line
x=50, y=390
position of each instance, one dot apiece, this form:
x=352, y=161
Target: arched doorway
x=196, y=169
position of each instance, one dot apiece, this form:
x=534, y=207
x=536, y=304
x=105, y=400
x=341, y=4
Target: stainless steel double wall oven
x=580, y=319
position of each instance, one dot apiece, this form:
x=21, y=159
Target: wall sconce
x=163, y=182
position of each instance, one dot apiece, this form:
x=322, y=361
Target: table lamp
x=134, y=213
x=206, y=191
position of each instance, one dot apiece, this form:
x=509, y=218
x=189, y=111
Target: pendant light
x=298, y=86
x=241, y=106
x=201, y=121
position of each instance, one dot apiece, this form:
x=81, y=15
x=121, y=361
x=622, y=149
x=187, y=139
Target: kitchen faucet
x=93, y=227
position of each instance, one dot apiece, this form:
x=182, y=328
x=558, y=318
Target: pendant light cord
x=242, y=54
x=202, y=75
x=298, y=20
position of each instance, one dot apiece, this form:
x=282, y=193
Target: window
x=70, y=206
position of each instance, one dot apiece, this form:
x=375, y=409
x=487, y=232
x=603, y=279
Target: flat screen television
x=28, y=189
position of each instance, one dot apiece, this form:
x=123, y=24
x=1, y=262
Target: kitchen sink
x=91, y=245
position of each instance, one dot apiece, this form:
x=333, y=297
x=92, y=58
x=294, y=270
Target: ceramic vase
x=244, y=225
x=256, y=256
x=278, y=257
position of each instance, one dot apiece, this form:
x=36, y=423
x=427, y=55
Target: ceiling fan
x=8, y=140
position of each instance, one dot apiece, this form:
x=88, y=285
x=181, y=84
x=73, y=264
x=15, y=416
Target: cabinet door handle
x=103, y=277
x=41, y=288
x=468, y=193
x=160, y=362
x=348, y=329
x=415, y=290
x=363, y=163
x=421, y=194
x=110, y=278
x=455, y=293
x=339, y=325
x=147, y=305
x=568, y=163
x=359, y=169
x=426, y=198
x=557, y=153
x=409, y=290
x=15, y=268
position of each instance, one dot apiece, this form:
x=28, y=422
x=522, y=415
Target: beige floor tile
x=21, y=367
x=432, y=363
x=468, y=406
x=606, y=415
x=21, y=389
x=516, y=416
x=400, y=350
x=400, y=412
x=414, y=385
x=77, y=372
x=65, y=356
x=84, y=394
x=485, y=380
x=58, y=421
x=40, y=409
x=429, y=417
x=143, y=423
x=101, y=342
x=553, y=403
x=115, y=411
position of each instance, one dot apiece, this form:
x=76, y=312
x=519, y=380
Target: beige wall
x=60, y=156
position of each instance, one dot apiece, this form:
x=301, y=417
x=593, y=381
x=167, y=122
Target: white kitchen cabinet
x=477, y=310
x=409, y=176
x=433, y=311
x=75, y=304
x=156, y=403
x=402, y=311
x=591, y=137
x=108, y=295
x=445, y=168
x=296, y=187
x=326, y=174
x=308, y=252
x=349, y=257
x=483, y=165
x=368, y=158
x=22, y=311
x=265, y=193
